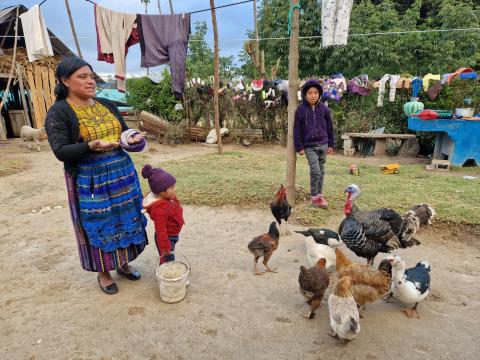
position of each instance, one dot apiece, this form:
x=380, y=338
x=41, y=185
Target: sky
x=233, y=23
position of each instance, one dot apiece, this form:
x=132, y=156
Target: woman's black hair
x=65, y=69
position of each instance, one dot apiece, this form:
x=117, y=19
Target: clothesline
x=306, y=37
x=204, y=10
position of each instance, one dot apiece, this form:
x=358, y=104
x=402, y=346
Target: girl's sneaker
x=319, y=201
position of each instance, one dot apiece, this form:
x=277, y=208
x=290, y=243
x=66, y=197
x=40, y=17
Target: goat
x=28, y=133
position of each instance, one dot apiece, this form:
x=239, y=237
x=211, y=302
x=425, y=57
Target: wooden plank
x=53, y=83
x=46, y=87
x=37, y=72
x=33, y=95
x=379, y=136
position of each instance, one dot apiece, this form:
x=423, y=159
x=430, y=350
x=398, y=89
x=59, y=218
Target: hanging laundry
x=114, y=36
x=427, y=78
x=416, y=85
x=381, y=89
x=403, y=83
x=335, y=22
x=393, y=87
x=164, y=39
x=35, y=31
x=434, y=91
x=359, y=85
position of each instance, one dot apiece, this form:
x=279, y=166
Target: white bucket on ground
x=172, y=279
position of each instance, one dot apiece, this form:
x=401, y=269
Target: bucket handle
x=189, y=266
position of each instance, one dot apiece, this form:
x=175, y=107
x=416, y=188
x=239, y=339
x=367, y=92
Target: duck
x=410, y=286
x=321, y=243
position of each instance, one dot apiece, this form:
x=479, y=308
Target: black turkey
x=367, y=233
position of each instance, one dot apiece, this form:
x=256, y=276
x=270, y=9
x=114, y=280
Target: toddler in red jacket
x=164, y=209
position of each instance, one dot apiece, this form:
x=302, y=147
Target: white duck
x=410, y=286
x=321, y=243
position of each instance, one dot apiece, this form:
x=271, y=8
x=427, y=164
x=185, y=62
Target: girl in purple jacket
x=314, y=137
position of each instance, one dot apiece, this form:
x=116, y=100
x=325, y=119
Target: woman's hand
x=135, y=139
x=101, y=145
x=330, y=150
x=301, y=152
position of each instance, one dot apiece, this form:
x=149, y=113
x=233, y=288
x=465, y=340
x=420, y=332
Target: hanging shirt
x=335, y=22
x=35, y=31
x=164, y=39
x=114, y=36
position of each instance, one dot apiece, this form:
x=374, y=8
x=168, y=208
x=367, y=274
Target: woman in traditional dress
x=103, y=188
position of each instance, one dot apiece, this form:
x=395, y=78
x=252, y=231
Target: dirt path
x=51, y=309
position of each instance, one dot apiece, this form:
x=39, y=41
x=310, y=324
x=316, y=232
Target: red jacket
x=167, y=216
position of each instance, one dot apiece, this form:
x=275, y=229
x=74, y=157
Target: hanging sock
x=381, y=89
x=35, y=31
x=393, y=87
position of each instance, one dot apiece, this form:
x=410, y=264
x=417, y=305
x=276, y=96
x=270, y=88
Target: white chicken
x=410, y=286
x=343, y=310
x=317, y=251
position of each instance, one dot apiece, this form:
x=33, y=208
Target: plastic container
x=173, y=278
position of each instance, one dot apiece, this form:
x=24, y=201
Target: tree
x=414, y=53
x=200, y=56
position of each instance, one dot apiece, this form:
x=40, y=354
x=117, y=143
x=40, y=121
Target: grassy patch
x=12, y=165
x=238, y=178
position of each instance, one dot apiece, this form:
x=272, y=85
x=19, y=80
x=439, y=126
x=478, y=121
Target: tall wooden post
x=171, y=6
x=216, y=80
x=292, y=104
x=255, y=25
x=22, y=95
x=3, y=131
x=77, y=44
x=159, y=8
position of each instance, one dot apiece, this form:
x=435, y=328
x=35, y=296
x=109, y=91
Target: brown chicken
x=264, y=245
x=369, y=284
x=313, y=283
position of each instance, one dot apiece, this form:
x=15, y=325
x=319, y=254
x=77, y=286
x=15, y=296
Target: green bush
x=144, y=94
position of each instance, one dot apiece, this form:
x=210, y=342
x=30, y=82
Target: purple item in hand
x=137, y=147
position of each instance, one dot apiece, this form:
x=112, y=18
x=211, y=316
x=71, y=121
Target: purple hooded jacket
x=313, y=126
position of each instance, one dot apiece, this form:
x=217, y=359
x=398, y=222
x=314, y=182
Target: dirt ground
x=51, y=309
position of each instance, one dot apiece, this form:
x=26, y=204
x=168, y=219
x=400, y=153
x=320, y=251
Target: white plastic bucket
x=173, y=278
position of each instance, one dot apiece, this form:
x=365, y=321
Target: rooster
x=264, y=245
x=281, y=209
x=369, y=285
x=367, y=233
x=313, y=283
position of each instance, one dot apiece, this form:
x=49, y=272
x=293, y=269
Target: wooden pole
x=22, y=95
x=159, y=8
x=77, y=44
x=292, y=104
x=255, y=25
x=171, y=6
x=216, y=80
x=3, y=132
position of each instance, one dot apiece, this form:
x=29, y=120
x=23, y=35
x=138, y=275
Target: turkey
x=367, y=233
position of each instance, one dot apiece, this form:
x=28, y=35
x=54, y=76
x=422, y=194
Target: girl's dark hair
x=65, y=69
